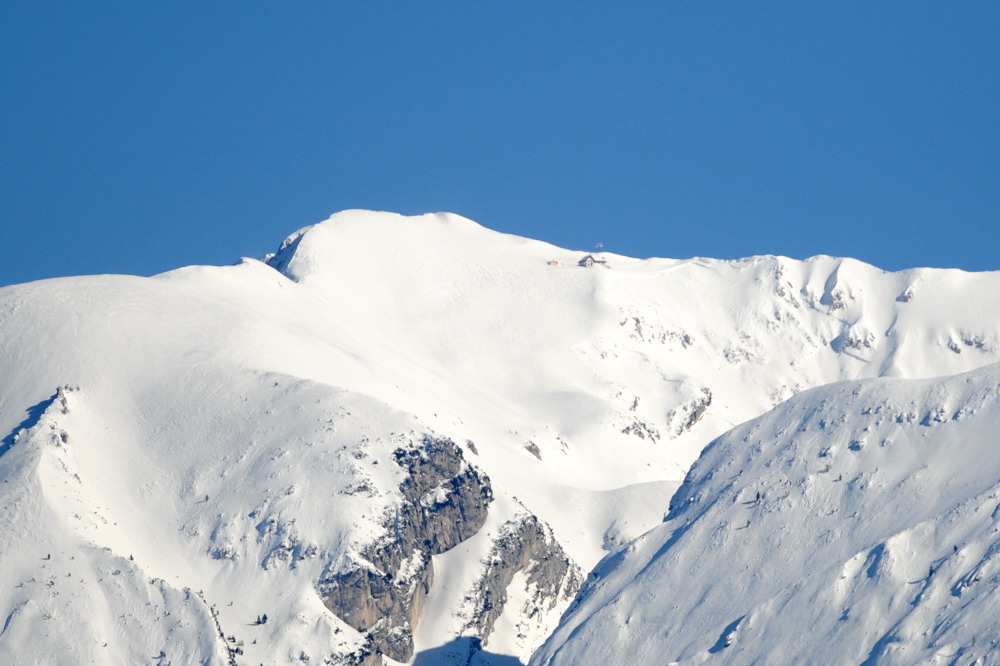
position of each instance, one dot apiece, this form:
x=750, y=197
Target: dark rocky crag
x=523, y=545
x=444, y=501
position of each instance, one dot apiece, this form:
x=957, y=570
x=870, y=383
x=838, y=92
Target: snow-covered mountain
x=855, y=524
x=409, y=439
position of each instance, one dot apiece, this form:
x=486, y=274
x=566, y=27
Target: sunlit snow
x=184, y=453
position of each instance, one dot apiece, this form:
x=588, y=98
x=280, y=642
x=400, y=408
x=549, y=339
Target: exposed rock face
x=444, y=502
x=686, y=415
x=525, y=545
x=446, y=498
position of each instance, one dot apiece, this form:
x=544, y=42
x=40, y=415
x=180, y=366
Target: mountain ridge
x=582, y=393
x=878, y=499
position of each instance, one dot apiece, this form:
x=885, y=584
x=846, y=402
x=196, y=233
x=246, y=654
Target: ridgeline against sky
x=137, y=140
x=426, y=446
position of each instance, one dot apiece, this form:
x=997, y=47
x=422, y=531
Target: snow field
x=278, y=391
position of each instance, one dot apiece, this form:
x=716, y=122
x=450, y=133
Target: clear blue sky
x=141, y=138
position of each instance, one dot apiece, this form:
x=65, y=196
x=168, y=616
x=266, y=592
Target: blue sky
x=137, y=139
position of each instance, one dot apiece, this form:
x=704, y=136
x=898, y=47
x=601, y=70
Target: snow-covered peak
x=362, y=236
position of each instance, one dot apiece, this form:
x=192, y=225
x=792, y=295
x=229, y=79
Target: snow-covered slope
x=856, y=523
x=397, y=435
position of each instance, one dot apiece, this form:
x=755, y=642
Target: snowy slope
x=232, y=435
x=854, y=523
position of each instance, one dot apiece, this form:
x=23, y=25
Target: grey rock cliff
x=523, y=545
x=444, y=502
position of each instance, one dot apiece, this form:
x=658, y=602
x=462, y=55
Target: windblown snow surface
x=185, y=453
x=855, y=524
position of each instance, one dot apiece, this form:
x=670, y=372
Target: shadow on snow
x=34, y=413
x=463, y=651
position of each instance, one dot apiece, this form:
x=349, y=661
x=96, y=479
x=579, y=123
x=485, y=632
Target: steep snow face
x=234, y=435
x=857, y=519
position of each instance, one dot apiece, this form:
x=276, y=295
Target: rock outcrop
x=525, y=545
x=444, y=501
